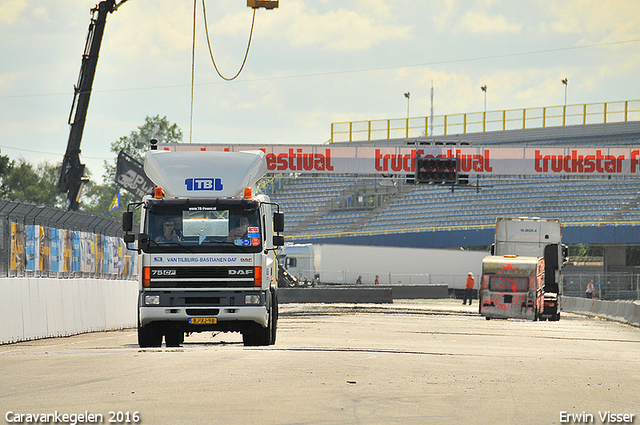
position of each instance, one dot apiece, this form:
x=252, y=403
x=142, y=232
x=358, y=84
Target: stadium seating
x=322, y=205
x=309, y=204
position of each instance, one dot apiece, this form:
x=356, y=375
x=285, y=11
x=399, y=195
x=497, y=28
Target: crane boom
x=72, y=177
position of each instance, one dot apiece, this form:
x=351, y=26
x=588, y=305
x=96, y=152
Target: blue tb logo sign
x=203, y=184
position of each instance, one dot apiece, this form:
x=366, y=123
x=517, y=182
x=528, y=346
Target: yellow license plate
x=203, y=320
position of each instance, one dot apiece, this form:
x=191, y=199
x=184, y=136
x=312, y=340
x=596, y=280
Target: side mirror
x=278, y=222
x=143, y=241
x=129, y=238
x=278, y=240
x=127, y=221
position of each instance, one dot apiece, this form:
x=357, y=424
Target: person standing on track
x=468, y=290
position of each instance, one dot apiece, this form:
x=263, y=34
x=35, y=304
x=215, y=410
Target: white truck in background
x=207, y=248
x=538, y=238
x=342, y=264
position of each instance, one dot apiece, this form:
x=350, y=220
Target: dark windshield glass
x=225, y=227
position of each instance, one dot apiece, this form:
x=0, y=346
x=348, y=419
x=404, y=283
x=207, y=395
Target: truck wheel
x=256, y=335
x=273, y=317
x=149, y=336
x=247, y=337
x=174, y=338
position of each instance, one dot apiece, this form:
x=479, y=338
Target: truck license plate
x=203, y=320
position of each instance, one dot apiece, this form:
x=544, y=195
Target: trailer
x=512, y=287
x=331, y=264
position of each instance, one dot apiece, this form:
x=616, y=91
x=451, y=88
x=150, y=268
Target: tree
x=137, y=143
x=98, y=198
x=23, y=182
x=4, y=171
x=633, y=256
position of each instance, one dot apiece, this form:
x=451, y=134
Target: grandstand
x=334, y=206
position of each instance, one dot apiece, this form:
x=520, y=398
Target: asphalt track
x=422, y=362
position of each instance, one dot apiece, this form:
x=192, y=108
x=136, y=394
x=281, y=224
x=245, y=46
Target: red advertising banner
x=476, y=160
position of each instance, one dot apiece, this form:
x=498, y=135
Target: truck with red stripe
x=539, y=240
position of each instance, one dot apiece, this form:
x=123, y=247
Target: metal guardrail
x=476, y=122
x=42, y=241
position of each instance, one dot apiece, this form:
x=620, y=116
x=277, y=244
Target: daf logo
x=240, y=272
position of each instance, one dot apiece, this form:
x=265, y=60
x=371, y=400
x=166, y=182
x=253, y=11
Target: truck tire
x=274, y=315
x=173, y=337
x=149, y=336
x=256, y=335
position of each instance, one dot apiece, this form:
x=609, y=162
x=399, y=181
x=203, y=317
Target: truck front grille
x=202, y=311
x=202, y=277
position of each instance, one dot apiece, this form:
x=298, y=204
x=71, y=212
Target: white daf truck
x=538, y=238
x=206, y=248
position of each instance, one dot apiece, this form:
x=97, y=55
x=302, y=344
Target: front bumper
x=228, y=308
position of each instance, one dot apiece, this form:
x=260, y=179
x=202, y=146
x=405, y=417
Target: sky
x=310, y=64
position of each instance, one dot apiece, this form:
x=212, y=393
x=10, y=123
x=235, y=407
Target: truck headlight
x=152, y=299
x=252, y=299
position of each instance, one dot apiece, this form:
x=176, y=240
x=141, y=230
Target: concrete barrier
x=356, y=294
x=409, y=292
x=335, y=295
x=620, y=311
x=36, y=308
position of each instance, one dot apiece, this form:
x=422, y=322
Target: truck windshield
x=508, y=283
x=223, y=227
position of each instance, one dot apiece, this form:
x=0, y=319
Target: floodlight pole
x=484, y=114
x=565, y=81
x=408, y=96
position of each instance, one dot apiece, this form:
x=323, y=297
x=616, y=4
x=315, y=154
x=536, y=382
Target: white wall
x=35, y=308
x=407, y=266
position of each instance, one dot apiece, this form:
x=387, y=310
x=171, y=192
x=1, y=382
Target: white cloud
x=137, y=30
x=10, y=10
x=597, y=20
x=480, y=22
x=357, y=28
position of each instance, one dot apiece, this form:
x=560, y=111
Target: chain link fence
x=42, y=241
x=606, y=286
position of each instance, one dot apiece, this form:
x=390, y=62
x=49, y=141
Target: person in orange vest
x=468, y=291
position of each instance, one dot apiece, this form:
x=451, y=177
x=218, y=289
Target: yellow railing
x=447, y=228
x=476, y=122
